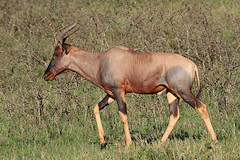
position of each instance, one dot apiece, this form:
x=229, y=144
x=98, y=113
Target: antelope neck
x=86, y=64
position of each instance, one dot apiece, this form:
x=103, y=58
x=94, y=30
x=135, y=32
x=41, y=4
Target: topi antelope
x=121, y=70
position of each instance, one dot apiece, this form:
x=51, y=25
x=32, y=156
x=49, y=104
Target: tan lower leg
x=96, y=113
x=204, y=114
x=173, y=119
x=124, y=120
x=172, y=122
x=110, y=100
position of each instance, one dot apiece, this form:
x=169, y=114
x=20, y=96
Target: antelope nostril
x=47, y=76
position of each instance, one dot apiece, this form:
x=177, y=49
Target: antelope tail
x=198, y=83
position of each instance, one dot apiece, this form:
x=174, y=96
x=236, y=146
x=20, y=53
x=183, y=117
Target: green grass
x=54, y=120
x=189, y=139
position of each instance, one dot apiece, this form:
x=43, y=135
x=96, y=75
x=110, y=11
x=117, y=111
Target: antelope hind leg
x=174, y=116
x=202, y=110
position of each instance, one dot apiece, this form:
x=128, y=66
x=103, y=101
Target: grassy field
x=54, y=120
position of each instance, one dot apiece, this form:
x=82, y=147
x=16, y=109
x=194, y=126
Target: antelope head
x=60, y=59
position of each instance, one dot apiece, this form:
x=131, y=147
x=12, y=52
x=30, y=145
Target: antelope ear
x=66, y=48
x=58, y=49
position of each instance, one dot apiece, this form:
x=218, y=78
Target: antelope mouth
x=49, y=76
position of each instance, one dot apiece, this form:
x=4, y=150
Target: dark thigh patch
x=178, y=79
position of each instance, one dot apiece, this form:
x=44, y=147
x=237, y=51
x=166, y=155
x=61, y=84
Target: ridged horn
x=66, y=33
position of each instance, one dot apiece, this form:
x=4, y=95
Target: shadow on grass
x=182, y=135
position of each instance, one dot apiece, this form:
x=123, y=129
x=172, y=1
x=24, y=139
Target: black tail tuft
x=199, y=92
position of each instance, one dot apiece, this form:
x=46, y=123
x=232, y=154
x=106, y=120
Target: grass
x=54, y=120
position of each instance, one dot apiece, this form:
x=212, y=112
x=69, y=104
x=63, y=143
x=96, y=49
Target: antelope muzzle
x=49, y=76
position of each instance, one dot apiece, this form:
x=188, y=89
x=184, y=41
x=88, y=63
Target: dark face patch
x=57, y=56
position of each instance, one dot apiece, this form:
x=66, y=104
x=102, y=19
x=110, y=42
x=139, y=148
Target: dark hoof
x=103, y=145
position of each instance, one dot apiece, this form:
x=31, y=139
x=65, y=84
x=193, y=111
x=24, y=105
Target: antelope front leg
x=120, y=98
x=124, y=120
x=96, y=111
